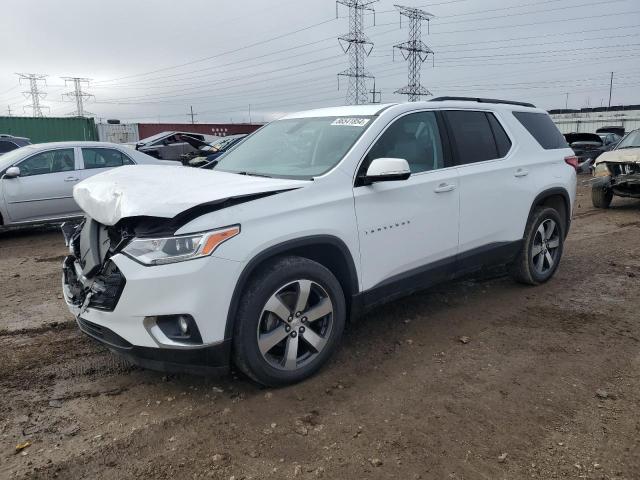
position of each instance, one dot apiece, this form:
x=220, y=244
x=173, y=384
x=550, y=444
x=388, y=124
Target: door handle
x=71, y=179
x=445, y=187
x=521, y=172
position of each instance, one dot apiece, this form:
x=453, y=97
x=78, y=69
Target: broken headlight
x=160, y=251
x=601, y=170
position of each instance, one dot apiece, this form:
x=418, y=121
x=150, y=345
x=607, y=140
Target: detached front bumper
x=120, y=305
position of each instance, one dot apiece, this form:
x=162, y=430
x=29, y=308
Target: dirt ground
x=548, y=385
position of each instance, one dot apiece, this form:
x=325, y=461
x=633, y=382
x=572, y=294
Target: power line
x=415, y=51
x=78, y=95
x=358, y=46
x=262, y=42
x=34, y=92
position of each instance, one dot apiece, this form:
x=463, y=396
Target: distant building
x=590, y=119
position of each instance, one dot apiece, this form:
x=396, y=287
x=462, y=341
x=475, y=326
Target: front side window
x=473, y=137
x=104, y=158
x=52, y=161
x=299, y=148
x=415, y=138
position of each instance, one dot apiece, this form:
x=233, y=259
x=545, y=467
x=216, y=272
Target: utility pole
x=34, y=92
x=358, y=46
x=78, y=95
x=610, y=89
x=414, y=50
x=376, y=95
x=249, y=113
x=9, y=110
x=191, y=114
x=566, y=102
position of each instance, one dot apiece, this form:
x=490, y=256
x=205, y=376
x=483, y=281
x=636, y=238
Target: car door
x=95, y=160
x=494, y=184
x=408, y=229
x=44, y=188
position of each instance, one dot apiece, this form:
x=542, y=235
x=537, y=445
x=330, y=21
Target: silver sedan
x=36, y=181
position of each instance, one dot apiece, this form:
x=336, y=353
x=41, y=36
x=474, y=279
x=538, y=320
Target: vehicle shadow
x=30, y=231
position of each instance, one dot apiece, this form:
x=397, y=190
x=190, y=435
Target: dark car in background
x=9, y=142
x=587, y=147
x=209, y=151
x=170, y=145
x=617, y=130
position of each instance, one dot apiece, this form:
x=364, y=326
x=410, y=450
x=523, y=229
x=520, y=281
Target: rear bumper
x=206, y=360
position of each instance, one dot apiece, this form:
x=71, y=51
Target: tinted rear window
x=472, y=136
x=542, y=128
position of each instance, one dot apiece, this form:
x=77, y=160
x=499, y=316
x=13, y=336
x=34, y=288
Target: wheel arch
x=557, y=198
x=328, y=250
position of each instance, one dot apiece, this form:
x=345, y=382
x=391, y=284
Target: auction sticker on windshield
x=351, y=122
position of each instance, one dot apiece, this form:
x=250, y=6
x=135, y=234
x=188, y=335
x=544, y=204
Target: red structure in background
x=218, y=129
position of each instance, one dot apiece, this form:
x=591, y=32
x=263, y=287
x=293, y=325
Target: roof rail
x=482, y=100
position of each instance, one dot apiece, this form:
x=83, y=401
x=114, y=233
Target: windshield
x=298, y=148
x=630, y=141
x=9, y=158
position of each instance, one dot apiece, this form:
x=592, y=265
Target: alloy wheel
x=295, y=324
x=546, y=243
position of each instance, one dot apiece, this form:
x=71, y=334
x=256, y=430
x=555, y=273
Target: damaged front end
x=90, y=278
x=621, y=178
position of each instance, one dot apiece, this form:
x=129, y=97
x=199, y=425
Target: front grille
x=623, y=168
x=103, y=334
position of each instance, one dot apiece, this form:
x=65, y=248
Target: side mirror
x=387, y=170
x=12, y=172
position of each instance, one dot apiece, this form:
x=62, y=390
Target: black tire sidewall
x=540, y=216
x=264, y=284
x=601, y=197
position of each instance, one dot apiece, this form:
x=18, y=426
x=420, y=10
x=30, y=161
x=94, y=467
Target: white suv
x=308, y=222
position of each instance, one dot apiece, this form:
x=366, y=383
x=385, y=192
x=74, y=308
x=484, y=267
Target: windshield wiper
x=254, y=174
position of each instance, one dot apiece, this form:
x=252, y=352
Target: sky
x=251, y=60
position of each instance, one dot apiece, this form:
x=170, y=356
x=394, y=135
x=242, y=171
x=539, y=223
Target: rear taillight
x=573, y=161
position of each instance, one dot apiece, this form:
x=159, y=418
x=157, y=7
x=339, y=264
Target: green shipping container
x=40, y=130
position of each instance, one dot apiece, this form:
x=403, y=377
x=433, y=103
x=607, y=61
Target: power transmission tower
x=191, y=114
x=34, y=92
x=414, y=50
x=78, y=95
x=358, y=46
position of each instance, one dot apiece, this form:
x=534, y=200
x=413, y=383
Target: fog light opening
x=180, y=328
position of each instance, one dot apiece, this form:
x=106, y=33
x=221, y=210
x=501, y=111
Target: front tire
x=289, y=323
x=601, y=197
x=542, y=248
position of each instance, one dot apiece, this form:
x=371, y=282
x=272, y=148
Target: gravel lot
x=548, y=385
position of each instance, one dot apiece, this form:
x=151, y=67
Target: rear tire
x=542, y=248
x=601, y=197
x=289, y=323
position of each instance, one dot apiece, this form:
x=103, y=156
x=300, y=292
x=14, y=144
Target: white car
x=36, y=181
x=310, y=221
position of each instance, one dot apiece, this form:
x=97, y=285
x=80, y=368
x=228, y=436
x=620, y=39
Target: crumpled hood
x=161, y=191
x=625, y=155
